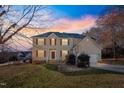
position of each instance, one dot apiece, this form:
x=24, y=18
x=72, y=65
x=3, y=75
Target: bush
x=83, y=60
x=13, y=58
x=70, y=59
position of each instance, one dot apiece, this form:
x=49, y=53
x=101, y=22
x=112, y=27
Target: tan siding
x=87, y=46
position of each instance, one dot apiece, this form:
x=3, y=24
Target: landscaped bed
x=28, y=75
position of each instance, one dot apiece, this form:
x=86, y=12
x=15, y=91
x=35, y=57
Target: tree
x=70, y=59
x=13, y=19
x=113, y=22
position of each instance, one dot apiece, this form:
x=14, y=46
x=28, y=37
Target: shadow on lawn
x=85, y=71
x=90, y=71
x=52, y=67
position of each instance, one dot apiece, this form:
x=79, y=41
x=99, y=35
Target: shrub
x=13, y=58
x=70, y=59
x=83, y=60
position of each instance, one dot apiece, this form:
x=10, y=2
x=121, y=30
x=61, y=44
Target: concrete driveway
x=115, y=68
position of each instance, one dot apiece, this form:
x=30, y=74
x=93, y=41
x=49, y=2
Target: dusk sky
x=68, y=18
x=65, y=18
x=73, y=18
x=77, y=11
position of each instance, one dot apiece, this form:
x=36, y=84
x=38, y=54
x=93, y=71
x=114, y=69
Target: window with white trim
x=40, y=53
x=65, y=41
x=53, y=41
x=64, y=53
x=41, y=41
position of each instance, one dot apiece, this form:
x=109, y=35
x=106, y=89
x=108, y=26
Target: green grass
x=29, y=75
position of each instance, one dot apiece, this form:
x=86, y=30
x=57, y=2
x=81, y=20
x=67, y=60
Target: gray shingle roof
x=62, y=35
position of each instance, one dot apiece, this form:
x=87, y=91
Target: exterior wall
x=48, y=47
x=76, y=46
x=88, y=46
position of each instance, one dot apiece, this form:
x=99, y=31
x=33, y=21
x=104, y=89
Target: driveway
x=10, y=63
x=115, y=68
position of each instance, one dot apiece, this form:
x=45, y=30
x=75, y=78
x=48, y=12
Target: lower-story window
x=40, y=53
x=64, y=53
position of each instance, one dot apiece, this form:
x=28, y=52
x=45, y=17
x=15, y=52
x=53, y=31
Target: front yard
x=28, y=75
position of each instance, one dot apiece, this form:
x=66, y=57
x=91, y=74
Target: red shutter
x=60, y=41
x=50, y=41
x=60, y=53
x=44, y=53
x=55, y=41
x=36, y=41
x=68, y=42
x=44, y=41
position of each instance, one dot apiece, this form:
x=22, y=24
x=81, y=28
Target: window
x=64, y=53
x=41, y=42
x=65, y=42
x=52, y=41
x=40, y=53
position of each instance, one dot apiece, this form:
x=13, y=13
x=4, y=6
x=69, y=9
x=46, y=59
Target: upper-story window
x=65, y=42
x=52, y=41
x=40, y=41
x=40, y=53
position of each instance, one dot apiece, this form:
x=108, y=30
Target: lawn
x=28, y=75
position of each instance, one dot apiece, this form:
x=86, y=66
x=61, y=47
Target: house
x=54, y=46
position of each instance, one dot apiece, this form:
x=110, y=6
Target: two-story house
x=54, y=46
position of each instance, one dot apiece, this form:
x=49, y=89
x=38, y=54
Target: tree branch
x=14, y=24
x=5, y=40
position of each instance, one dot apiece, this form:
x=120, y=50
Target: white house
x=54, y=46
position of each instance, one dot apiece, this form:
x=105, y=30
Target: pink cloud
x=72, y=25
x=65, y=25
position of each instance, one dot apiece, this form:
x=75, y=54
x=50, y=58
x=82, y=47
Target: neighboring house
x=54, y=46
x=24, y=56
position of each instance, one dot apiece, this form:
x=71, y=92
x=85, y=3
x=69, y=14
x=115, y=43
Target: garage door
x=93, y=59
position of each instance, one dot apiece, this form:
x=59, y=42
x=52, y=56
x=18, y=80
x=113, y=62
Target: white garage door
x=93, y=59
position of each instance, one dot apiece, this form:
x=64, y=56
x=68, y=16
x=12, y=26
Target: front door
x=53, y=55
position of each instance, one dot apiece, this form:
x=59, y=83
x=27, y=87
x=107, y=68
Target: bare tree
x=113, y=22
x=13, y=19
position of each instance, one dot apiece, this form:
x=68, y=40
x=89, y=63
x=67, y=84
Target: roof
x=62, y=35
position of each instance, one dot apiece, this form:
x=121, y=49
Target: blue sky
x=77, y=11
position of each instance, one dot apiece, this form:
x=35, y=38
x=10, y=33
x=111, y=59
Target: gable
x=88, y=45
x=93, y=42
x=52, y=36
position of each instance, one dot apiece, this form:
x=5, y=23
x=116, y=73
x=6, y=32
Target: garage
x=93, y=59
x=90, y=47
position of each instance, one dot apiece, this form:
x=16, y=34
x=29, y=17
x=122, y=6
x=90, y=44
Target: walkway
x=4, y=64
x=9, y=63
x=115, y=68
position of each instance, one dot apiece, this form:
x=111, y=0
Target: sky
x=77, y=11
x=75, y=18
x=63, y=18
